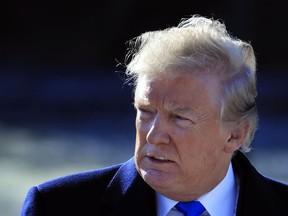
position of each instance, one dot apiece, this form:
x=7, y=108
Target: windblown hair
x=201, y=45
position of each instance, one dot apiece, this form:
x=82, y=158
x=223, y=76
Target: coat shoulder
x=80, y=181
x=258, y=194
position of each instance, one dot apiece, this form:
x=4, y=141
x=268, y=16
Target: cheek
x=142, y=129
x=196, y=146
x=140, y=136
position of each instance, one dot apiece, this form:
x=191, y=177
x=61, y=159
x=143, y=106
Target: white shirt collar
x=221, y=200
x=164, y=204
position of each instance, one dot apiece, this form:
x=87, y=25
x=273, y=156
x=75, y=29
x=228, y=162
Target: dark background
x=89, y=34
x=58, y=59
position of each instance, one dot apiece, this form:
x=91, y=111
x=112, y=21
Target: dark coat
x=119, y=190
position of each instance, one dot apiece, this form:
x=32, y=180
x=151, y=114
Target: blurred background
x=64, y=107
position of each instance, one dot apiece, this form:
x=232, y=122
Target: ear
x=237, y=136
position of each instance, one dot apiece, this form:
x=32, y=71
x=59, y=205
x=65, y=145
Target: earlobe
x=237, y=137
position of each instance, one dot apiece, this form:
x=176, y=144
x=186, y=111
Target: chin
x=157, y=179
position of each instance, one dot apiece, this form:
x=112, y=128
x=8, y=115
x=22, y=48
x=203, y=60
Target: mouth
x=158, y=158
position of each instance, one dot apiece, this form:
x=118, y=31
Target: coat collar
x=128, y=194
x=258, y=195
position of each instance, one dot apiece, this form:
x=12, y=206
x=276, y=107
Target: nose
x=158, y=131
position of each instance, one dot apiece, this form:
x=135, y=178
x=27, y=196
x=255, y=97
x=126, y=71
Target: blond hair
x=202, y=44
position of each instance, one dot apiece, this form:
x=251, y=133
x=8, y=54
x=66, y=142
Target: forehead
x=183, y=90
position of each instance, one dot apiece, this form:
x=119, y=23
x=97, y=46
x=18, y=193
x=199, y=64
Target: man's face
x=180, y=141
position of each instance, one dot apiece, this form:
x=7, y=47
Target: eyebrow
x=171, y=108
x=182, y=109
x=141, y=102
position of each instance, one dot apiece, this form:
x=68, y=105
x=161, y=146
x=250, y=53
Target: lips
x=160, y=158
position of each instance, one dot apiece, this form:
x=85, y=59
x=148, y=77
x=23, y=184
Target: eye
x=144, y=112
x=182, y=121
x=180, y=117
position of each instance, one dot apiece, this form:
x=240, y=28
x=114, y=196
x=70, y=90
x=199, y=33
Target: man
x=195, y=89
